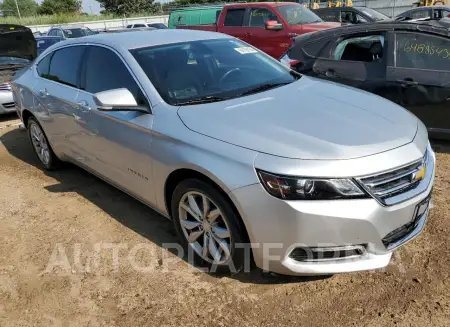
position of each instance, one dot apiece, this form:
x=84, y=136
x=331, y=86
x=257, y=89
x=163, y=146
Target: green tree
x=50, y=7
x=126, y=7
x=26, y=7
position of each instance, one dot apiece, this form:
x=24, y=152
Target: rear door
x=271, y=42
x=359, y=61
x=117, y=143
x=233, y=23
x=56, y=92
x=422, y=71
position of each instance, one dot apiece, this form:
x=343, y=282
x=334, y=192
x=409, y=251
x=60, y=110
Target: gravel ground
x=52, y=222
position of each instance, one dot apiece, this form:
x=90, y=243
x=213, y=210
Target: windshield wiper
x=206, y=99
x=263, y=87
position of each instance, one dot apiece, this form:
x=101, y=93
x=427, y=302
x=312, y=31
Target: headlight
x=303, y=188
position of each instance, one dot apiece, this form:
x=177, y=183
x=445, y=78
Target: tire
x=41, y=147
x=214, y=228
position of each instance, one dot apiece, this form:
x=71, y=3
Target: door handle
x=330, y=73
x=84, y=106
x=43, y=93
x=248, y=34
x=407, y=82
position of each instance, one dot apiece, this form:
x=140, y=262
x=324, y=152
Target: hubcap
x=39, y=143
x=205, y=227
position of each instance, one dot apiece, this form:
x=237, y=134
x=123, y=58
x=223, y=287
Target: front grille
x=9, y=105
x=313, y=254
x=387, y=185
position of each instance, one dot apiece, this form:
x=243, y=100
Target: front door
x=56, y=94
x=422, y=72
x=117, y=143
x=274, y=43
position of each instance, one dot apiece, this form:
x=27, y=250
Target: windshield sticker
x=245, y=50
x=68, y=32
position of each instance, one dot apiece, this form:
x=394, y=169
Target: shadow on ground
x=8, y=117
x=126, y=210
x=440, y=146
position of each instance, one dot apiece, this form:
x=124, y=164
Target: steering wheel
x=227, y=74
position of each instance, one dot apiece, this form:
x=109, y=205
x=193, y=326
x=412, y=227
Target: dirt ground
x=50, y=224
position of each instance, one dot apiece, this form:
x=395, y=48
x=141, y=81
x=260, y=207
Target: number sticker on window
x=245, y=50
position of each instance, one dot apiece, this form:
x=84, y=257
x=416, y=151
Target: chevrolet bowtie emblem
x=419, y=174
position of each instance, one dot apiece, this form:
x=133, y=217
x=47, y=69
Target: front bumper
x=277, y=227
x=7, y=104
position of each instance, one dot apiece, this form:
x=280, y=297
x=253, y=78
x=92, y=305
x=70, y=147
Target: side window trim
x=114, y=51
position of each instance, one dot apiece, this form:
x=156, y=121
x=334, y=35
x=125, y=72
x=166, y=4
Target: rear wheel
x=208, y=226
x=41, y=147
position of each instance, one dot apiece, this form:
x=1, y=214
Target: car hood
x=17, y=49
x=307, y=119
x=314, y=26
x=17, y=41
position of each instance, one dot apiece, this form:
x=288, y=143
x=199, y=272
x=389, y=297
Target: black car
x=424, y=13
x=350, y=15
x=407, y=63
x=43, y=42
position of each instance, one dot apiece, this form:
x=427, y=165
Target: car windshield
x=77, y=32
x=43, y=44
x=297, y=14
x=210, y=70
x=376, y=15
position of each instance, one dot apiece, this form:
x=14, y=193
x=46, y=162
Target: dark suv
x=350, y=15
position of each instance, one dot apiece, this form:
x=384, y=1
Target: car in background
x=39, y=33
x=70, y=31
x=43, y=42
x=350, y=15
x=407, y=63
x=17, y=50
x=235, y=148
x=424, y=13
x=268, y=26
x=125, y=30
x=143, y=25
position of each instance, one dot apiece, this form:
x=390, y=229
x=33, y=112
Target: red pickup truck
x=269, y=26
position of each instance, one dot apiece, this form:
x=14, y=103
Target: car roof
x=261, y=4
x=68, y=27
x=142, y=39
x=48, y=37
x=385, y=26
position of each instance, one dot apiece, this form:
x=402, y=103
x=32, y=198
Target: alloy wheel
x=205, y=227
x=40, y=143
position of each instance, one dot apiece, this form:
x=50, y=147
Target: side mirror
x=117, y=100
x=273, y=25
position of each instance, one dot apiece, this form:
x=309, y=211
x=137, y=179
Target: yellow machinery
x=426, y=3
x=345, y=3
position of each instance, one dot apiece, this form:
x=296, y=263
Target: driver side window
x=100, y=77
x=259, y=16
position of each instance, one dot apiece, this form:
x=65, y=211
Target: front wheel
x=41, y=147
x=206, y=224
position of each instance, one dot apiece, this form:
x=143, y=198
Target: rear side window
x=234, y=17
x=421, y=51
x=100, y=77
x=43, y=66
x=65, y=65
x=139, y=25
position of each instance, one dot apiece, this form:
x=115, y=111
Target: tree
x=126, y=7
x=50, y=7
x=26, y=7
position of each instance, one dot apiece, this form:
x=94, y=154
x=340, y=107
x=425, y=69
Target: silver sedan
x=234, y=147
